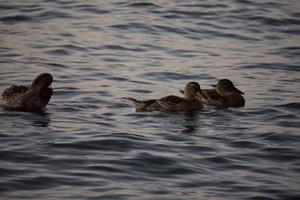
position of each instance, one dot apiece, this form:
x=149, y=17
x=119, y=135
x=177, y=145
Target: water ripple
x=89, y=143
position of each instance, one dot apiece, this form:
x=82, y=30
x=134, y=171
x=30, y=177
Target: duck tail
x=135, y=101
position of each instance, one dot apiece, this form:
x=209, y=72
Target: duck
x=172, y=103
x=223, y=95
x=31, y=98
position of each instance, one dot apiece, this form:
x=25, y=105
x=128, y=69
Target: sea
x=89, y=143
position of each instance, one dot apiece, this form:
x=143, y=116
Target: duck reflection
x=191, y=123
x=41, y=119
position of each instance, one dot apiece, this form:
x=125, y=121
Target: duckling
x=172, y=103
x=33, y=98
x=224, y=94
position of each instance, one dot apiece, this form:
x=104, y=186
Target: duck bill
x=214, y=86
x=238, y=91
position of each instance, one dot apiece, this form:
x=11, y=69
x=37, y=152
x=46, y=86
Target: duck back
x=211, y=97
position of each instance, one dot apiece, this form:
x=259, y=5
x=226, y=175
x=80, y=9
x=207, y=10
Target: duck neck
x=189, y=96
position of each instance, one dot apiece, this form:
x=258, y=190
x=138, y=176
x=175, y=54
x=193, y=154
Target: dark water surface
x=90, y=144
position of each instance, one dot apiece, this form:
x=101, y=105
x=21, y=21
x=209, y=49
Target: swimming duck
x=224, y=94
x=33, y=98
x=172, y=103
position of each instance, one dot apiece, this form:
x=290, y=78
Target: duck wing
x=15, y=97
x=147, y=105
x=171, y=103
x=13, y=91
x=211, y=97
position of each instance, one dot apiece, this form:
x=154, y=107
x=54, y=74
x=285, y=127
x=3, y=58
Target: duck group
x=224, y=94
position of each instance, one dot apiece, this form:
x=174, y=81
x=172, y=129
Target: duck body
x=169, y=103
x=224, y=94
x=210, y=97
x=172, y=103
x=29, y=98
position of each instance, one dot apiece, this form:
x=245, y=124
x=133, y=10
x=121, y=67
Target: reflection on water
x=41, y=119
x=91, y=144
x=191, y=123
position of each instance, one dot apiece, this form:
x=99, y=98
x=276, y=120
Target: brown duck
x=172, y=103
x=33, y=98
x=224, y=94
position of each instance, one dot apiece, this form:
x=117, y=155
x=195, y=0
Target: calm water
x=89, y=143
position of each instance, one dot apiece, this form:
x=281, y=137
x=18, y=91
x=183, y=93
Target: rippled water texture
x=89, y=143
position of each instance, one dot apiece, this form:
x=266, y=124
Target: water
x=90, y=144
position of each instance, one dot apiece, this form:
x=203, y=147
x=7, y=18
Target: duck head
x=42, y=82
x=191, y=90
x=225, y=86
